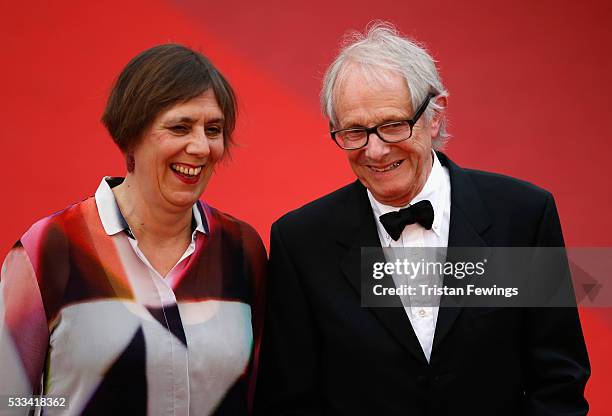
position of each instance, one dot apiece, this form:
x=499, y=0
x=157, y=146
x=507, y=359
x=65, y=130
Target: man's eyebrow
x=216, y=120
x=351, y=123
x=384, y=120
x=351, y=126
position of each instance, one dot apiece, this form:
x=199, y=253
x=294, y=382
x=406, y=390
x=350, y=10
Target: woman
x=139, y=300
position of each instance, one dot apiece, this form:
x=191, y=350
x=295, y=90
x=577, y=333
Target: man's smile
x=385, y=168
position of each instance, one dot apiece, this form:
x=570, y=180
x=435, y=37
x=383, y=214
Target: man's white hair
x=382, y=47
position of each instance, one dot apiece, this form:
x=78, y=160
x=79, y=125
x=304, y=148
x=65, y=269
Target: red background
x=529, y=81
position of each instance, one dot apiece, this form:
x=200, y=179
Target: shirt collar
x=431, y=192
x=111, y=217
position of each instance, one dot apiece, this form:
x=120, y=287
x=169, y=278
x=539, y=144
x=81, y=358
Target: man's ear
x=437, y=117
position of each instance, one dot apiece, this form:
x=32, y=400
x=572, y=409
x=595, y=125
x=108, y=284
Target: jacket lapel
x=468, y=220
x=357, y=230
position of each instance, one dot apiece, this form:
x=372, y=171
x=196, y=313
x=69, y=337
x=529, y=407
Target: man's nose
x=376, y=148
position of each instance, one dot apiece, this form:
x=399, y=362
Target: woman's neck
x=147, y=217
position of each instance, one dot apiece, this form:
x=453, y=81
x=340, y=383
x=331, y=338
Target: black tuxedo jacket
x=323, y=354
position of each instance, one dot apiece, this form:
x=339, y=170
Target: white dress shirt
x=437, y=190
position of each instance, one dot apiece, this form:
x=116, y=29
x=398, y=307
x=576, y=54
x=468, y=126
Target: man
x=325, y=354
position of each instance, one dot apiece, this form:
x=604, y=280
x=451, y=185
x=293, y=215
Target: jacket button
x=423, y=381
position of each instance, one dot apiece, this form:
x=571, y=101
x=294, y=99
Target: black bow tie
x=394, y=222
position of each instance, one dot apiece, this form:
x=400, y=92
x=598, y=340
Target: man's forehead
x=368, y=74
x=361, y=89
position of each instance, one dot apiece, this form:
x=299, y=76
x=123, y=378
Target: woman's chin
x=184, y=200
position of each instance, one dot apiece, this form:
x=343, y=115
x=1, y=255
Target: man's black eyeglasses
x=390, y=132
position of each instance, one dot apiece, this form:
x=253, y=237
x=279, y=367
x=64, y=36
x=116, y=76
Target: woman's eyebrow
x=191, y=120
x=180, y=119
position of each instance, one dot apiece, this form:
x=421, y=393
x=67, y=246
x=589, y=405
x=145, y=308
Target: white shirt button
x=422, y=313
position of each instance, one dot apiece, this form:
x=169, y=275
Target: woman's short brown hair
x=155, y=80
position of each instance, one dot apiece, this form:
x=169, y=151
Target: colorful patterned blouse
x=84, y=316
